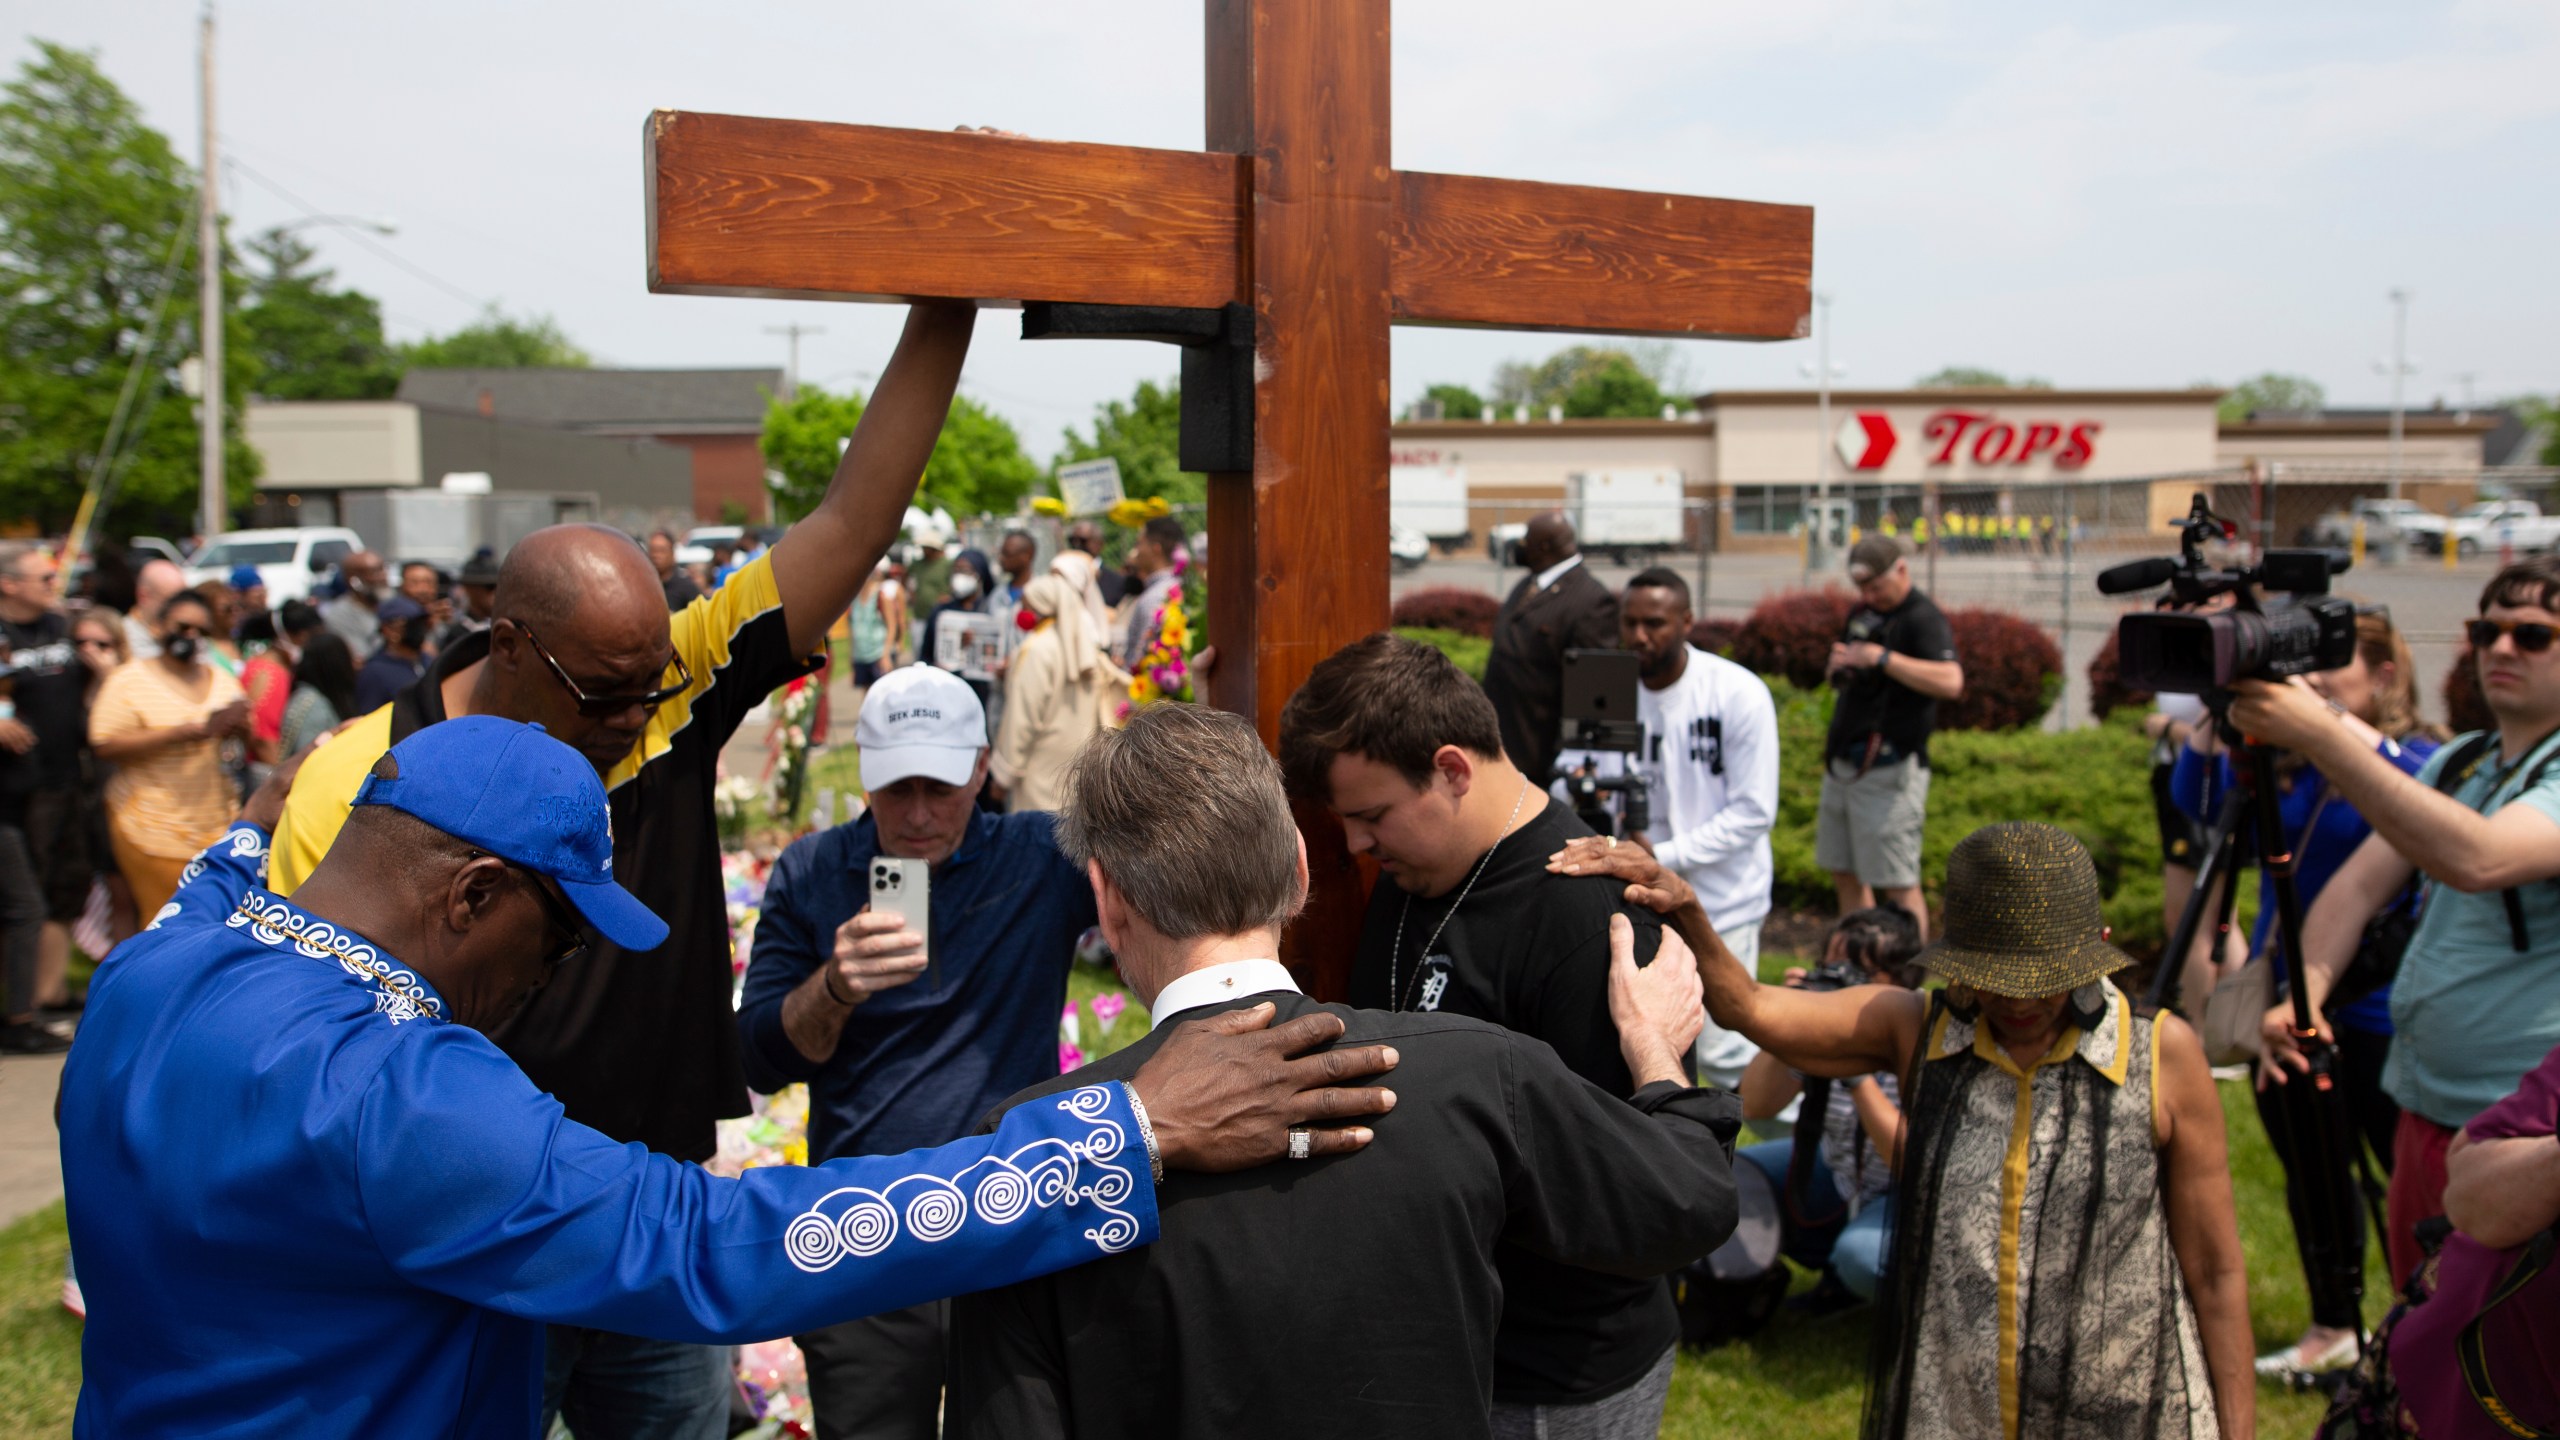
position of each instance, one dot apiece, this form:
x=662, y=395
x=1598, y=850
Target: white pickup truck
x=2499, y=525
x=2386, y=522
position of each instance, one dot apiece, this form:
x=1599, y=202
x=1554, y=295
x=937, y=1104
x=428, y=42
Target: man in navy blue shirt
x=905, y=1043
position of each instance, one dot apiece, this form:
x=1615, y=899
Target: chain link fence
x=2035, y=550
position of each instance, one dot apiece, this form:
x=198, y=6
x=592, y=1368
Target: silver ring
x=1613, y=842
x=1302, y=1142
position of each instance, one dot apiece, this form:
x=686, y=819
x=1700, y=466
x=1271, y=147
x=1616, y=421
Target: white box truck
x=1627, y=512
x=1429, y=500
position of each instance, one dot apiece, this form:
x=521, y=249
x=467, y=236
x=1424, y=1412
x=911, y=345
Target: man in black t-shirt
x=1895, y=660
x=1407, y=751
x=44, y=858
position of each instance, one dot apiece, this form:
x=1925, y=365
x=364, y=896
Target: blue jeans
x=621, y=1387
x=1855, y=1250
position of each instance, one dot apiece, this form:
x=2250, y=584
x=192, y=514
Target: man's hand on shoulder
x=1223, y=1093
x=1659, y=1009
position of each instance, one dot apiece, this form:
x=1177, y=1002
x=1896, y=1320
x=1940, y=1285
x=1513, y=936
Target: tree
x=1456, y=402
x=1949, y=377
x=312, y=342
x=498, y=341
x=1144, y=434
x=97, y=215
x=977, y=468
x=1589, y=382
x=2271, y=392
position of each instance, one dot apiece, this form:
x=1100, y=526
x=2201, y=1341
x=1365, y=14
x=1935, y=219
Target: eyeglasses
x=2531, y=636
x=596, y=707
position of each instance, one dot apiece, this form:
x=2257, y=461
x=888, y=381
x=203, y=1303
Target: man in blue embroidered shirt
x=906, y=1043
x=312, y=1198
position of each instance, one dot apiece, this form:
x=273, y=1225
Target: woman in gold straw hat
x=2066, y=1262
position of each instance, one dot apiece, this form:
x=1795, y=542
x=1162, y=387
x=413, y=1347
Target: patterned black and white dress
x=2034, y=1294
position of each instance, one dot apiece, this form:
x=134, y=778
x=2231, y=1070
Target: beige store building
x=2111, y=459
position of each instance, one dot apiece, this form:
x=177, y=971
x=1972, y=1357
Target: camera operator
x=1710, y=764
x=2476, y=1002
x=1836, y=1217
x=2376, y=698
x=1894, y=662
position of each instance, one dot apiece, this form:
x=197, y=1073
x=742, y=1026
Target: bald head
x=1550, y=541
x=567, y=577
x=154, y=583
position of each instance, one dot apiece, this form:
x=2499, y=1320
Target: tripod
x=2328, y=1170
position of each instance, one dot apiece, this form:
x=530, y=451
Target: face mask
x=963, y=585
x=181, y=648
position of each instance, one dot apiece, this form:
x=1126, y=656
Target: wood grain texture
x=1522, y=255
x=1314, y=119
x=800, y=209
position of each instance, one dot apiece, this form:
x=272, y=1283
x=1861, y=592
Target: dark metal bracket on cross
x=1278, y=258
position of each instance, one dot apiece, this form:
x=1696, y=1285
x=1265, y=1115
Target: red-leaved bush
x=2464, y=710
x=2012, y=671
x=1716, y=637
x=1791, y=634
x=2107, y=691
x=1448, y=607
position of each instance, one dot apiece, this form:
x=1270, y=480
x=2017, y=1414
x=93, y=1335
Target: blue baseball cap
x=512, y=790
x=397, y=608
x=245, y=576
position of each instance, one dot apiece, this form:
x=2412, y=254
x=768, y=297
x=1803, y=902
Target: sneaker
x=25, y=1039
x=2293, y=1364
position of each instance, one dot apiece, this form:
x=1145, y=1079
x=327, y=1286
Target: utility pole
x=791, y=377
x=213, y=503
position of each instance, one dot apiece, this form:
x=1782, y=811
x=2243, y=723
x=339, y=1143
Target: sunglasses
x=2531, y=636
x=596, y=707
x=571, y=935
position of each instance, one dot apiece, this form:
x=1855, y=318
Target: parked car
x=2386, y=522
x=288, y=560
x=1502, y=543
x=152, y=547
x=1408, y=546
x=2499, y=524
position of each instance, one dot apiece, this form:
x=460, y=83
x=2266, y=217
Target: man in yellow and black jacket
x=644, y=1046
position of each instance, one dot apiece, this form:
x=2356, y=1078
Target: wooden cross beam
x=1295, y=211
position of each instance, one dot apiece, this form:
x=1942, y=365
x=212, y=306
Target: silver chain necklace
x=1395, y=957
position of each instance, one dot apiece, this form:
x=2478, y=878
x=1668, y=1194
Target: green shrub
x=1467, y=652
x=2094, y=782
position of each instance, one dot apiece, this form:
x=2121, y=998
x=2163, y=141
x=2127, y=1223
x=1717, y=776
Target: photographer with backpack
x=2475, y=1003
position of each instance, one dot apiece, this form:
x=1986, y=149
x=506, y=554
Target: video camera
x=2199, y=654
x=1600, y=714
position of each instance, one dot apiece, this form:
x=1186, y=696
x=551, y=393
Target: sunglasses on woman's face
x=2531, y=636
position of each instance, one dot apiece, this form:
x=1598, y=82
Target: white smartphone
x=902, y=887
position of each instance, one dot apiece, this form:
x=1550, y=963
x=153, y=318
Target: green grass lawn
x=1797, y=1380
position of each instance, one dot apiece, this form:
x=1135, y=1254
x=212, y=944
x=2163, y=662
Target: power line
x=367, y=241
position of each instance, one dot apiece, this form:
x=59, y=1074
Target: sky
x=2100, y=196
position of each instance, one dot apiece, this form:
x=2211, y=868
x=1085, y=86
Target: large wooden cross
x=1295, y=212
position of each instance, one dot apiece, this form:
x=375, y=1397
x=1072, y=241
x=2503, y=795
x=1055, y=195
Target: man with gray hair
x=1380, y=1274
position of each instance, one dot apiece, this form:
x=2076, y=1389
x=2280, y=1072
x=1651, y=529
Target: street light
x=351, y=222
x=1823, y=372
x=2399, y=370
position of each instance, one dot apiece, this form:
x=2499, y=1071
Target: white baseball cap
x=920, y=721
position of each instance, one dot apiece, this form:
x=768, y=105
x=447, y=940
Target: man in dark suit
x=1330, y=1297
x=1560, y=606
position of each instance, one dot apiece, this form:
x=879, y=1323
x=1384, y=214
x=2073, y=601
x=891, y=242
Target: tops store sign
x=1867, y=439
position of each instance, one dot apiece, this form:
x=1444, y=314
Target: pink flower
x=1070, y=1025
x=1069, y=1058
x=1107, y=1007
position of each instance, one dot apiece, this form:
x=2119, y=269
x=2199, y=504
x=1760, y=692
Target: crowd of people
x=389, y=1119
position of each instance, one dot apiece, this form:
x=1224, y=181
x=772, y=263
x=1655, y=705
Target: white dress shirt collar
x=1218, y=984
x=1555, y=572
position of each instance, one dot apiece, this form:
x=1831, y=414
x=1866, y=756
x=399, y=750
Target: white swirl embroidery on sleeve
x=1002, y=1188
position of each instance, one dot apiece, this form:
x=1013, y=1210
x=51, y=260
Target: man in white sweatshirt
x=1711, y=762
